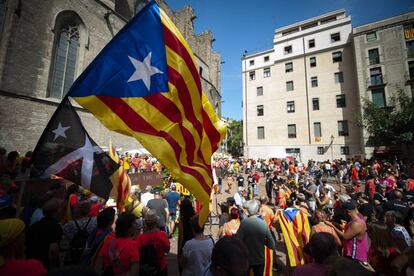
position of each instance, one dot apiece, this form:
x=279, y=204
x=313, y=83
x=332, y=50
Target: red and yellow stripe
x=296, y=235
x=121, y=182
x=180, y=128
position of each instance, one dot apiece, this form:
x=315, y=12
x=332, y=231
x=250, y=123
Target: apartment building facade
x=384, y=53
x=300, y=97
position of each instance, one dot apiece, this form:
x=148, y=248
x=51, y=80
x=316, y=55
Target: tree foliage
x=235, y=138
x=391, y=125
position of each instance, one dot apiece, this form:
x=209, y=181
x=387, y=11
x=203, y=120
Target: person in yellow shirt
x=236, y=167
x=126, y=162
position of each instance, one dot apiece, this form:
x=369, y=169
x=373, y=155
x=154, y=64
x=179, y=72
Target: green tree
x=235, y=138
x=391, y=125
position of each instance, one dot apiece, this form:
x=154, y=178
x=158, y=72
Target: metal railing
x=376, y=80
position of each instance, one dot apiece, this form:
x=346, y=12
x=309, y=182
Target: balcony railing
x=376, y=80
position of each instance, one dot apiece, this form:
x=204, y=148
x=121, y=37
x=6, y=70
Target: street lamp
x=332, y=139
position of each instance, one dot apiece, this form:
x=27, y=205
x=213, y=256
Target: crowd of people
x=336, y=217
x=136, y=163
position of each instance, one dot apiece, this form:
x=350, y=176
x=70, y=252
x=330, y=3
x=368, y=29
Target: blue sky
x=249, y=25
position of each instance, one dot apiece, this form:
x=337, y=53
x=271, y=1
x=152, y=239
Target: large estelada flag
x=121, y=181
x=66, y=150
x=145, y=84
x=296, y=231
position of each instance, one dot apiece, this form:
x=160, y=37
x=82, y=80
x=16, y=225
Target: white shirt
x=197, y=254
x=145, y=197
x=238, y=199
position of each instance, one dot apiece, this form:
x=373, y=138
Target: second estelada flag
x=145, y=84
x=66, y=150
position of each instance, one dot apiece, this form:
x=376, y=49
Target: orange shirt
x=267, y=214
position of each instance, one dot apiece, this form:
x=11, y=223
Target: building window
x=266, y=72
x=260, y=133
x=317, y=130
x=200, y=71
x=410, y=48
x=339, y=77
x=373, y=56
x=252, y=75
x=288, y=50
x=65, y=59
x=288, y=67
x=315, y=103
x=291, y=107
x=376, y=76
x=320, y=151
x=343, y=128
x=266, y=59
x=337, y=56
x=378, y=97
x=289, y=86
x=335, y=37
x=314, y=81
x=311, y=43
x=312, y=61
x=259, y=91
x=345, y=150
x=291, y=131
x=372, y=36
x=260, y=110
x=411, y=69
x=251, y=62
x=2, y=15
x=340, y=101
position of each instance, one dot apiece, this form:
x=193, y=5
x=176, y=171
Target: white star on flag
x=143, y=70
x=60, y=131
x=86, y=153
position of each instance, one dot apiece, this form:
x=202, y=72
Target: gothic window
x=2, y=15
x=66, y=55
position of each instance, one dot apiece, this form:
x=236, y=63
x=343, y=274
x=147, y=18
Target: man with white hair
x=147, y=196
x=255, y=234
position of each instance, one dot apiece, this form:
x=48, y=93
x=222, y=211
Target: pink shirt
x=355, y=248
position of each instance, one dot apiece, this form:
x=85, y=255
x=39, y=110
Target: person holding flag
x=121, y=182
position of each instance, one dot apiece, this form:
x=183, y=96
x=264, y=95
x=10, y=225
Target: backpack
x=78, y=243
x=148, y=263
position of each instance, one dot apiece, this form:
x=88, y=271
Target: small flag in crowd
x=66, y=150
x=121, y=181
x=145, y=84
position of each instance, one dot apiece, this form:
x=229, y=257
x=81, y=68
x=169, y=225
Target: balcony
x=376, y=81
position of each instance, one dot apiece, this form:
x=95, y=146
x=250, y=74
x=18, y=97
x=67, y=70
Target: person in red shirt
x=119, y=253
x=95, y=206
x=12, y=251
x=370, y=186
x=154, y=238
